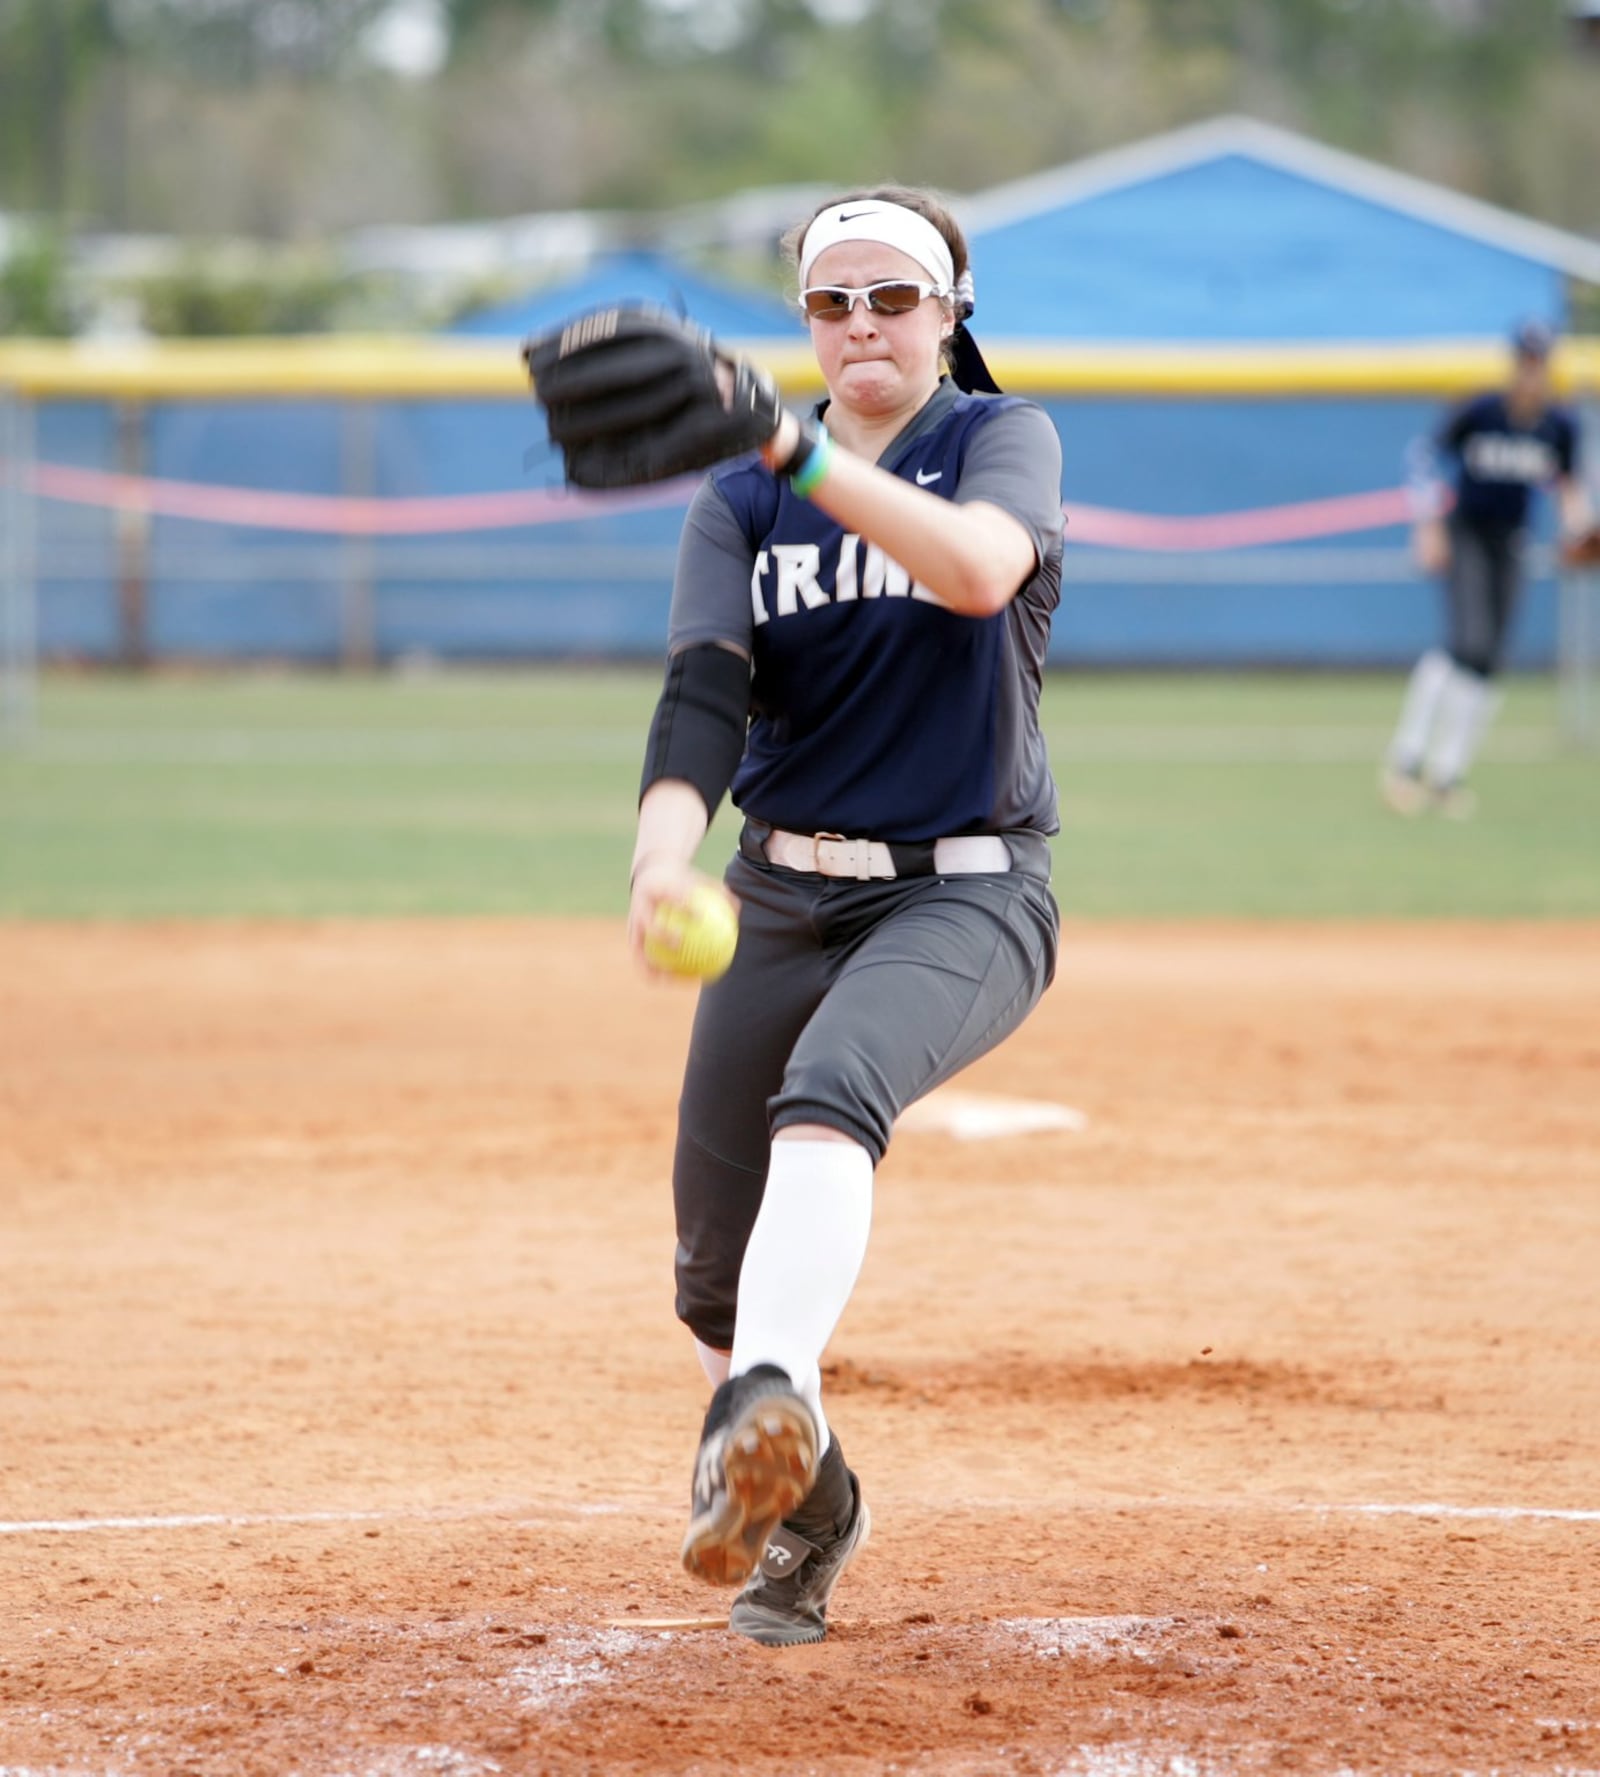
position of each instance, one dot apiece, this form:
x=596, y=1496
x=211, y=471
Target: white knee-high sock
x=1426, y=686
x=1465, y=712
x=803, y=1259
x=713, y=1362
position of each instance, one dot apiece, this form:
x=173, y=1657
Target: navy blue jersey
x=1499, y=461
x=875, y=712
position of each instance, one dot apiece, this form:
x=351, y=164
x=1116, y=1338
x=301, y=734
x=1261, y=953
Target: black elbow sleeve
x=698, y=731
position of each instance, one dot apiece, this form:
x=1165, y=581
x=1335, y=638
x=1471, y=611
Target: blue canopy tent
x=1234, y=231
x=640, y=275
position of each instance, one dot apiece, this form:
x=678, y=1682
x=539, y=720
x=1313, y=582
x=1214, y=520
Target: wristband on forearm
x=806, y=463
x=807, y=477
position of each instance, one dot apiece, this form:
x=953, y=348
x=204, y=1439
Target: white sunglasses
x=895, y=296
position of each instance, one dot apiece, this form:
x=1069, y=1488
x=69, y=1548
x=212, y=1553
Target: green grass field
x=513, y=793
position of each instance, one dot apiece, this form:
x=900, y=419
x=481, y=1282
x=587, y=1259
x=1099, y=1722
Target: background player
x=1501, y=445
x=858, y=629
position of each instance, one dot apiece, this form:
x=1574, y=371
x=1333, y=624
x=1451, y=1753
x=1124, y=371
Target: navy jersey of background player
x=1500, y=460
x=876, y=712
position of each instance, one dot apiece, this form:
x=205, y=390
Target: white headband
x=891, y=225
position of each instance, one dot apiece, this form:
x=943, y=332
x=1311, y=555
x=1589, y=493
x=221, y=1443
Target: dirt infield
x=346, y=1428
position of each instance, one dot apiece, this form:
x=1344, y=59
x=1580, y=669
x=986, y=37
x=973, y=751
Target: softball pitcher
x=858, y=631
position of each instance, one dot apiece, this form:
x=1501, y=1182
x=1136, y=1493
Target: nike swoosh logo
x=928, y=480
x=850, y=215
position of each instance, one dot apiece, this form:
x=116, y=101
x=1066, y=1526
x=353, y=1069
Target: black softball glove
x=633, y=395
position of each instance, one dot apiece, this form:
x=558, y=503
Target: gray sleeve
x=711, y=587
x=1014, y=462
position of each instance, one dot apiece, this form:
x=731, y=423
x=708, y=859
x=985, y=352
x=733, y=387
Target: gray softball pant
x=1482, y=588
x=845, y=1002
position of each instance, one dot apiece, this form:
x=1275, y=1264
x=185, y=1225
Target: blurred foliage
x=274, y=119
x=33, y=287
x=214, y=296
x=239, y=41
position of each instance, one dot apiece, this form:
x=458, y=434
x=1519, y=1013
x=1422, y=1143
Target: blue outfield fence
x=114, y=582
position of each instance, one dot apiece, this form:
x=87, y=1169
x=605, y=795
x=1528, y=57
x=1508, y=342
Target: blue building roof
x=1235, y=230
x=640, y=275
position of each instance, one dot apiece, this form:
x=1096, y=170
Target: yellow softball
x=695, y=936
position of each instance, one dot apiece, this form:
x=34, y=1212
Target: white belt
x=827, y=854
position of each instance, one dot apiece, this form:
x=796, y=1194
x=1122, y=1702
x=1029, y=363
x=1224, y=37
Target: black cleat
x=785, y=1602
x=757, y=1462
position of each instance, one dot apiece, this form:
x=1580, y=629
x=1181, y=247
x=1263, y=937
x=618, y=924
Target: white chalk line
x=1563, y=1515
x=550, y=1514
x=1325, y=1508
x=513, y=1513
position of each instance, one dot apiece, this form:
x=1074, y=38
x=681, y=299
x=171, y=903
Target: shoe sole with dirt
x=769, y=1462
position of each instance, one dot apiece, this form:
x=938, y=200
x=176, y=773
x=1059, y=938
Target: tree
x=239, y=41
x=49, y=50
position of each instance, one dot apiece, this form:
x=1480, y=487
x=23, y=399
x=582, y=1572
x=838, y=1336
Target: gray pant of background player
x=846, y=1001
x=1481, y=591
x=1450, y=698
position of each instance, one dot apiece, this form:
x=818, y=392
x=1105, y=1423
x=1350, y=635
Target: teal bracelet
x=808, y=477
